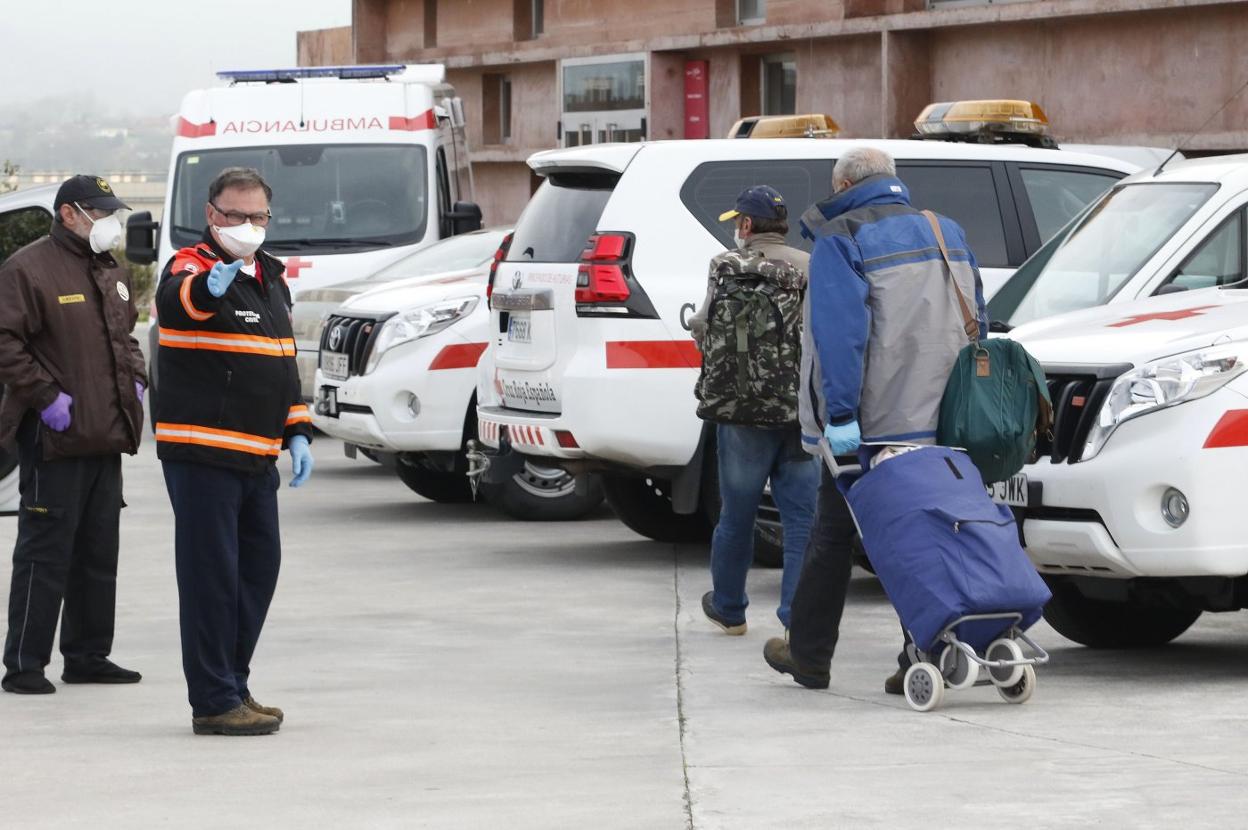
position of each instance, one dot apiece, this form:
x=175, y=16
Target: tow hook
x=486, y=466
x=478, y=463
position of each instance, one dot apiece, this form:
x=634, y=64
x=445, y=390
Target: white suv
x=396, y=377
x=590, y=361
x=1133, y=509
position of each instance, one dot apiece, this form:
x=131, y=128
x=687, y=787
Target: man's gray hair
x=239, y=178
x=858, y=163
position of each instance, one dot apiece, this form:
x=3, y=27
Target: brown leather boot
x=271, y=711
x=238, y=721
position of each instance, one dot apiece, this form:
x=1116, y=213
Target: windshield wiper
x=325, y=243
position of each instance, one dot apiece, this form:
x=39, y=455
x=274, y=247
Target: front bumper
x=374, y=410
x=1103, y=517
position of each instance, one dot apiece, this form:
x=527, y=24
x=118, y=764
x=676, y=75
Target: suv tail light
x=602, y=276
x=498, y=257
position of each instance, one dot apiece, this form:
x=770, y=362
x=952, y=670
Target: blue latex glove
x=139, y=390
x=300, y=460
x=221, y=275
x=56, y=416
x=843, y=439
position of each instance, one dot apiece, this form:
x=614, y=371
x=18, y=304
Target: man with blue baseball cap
x=749, y=332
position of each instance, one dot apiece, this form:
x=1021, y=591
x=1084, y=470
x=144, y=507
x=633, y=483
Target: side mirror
x=465, y=217
x=999, y=327
x=1172, y=288
x=141, y=238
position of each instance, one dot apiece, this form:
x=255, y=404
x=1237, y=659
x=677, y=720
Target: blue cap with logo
x=761, y=201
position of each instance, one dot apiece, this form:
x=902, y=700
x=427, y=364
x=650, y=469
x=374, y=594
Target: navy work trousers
x=228, y=554
x=67, y=535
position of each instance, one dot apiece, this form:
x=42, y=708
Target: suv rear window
x=561, y=216
x=713, y=187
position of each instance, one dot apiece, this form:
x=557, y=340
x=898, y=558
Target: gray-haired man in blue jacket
x=882, y=330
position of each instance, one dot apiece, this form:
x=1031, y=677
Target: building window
x=779, y=85
x=431, y=24
x=504, y=105
x=539, y=17
x=495, y=108
x=751, y=11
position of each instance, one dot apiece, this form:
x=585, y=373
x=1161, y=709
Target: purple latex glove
x=56, y=416
x=138, y=390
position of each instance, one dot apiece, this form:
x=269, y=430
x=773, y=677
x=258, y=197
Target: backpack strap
x=969, y=324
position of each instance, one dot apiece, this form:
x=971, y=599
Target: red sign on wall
x=697, y=109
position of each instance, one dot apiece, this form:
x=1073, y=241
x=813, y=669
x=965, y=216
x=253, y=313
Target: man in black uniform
x=229, y=404
x=74, y=403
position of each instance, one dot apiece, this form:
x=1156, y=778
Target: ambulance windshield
x=326, y=198
x=1092, y=258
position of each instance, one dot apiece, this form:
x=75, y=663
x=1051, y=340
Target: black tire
x=1099, y=623
x=768, y=545
x=543, y=494
x=435, y=485
x=645, y=507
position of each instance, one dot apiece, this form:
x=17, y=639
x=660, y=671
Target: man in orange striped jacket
x=229, y=404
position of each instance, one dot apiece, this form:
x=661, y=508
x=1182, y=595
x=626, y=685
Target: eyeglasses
x=234, y=218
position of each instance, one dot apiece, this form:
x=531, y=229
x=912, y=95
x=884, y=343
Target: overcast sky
x=141, y=56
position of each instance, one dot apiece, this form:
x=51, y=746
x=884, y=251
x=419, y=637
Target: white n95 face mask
x=240, y=240
x=105, y=233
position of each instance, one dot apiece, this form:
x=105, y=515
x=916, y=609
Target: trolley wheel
x=959, y=672
x=1021, y=691
x=924, y=687
x=1004, y=649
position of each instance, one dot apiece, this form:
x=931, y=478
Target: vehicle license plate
x=1013, y=491
x=519, y=329
x=335, y=365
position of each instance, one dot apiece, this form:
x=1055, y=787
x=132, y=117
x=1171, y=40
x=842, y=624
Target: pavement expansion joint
x=680, y=687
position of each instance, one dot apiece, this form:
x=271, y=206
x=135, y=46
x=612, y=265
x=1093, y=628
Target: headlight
x=418, y=322
x=1165, y=383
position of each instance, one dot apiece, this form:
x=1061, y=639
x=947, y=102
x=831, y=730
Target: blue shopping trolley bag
x=942, y=548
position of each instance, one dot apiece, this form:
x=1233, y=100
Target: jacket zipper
x=957, y=526
x=225, y=396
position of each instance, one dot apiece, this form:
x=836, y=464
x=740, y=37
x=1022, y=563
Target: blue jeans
x=748, y=456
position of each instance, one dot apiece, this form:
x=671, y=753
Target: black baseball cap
x=760, y=201
x=88, y=191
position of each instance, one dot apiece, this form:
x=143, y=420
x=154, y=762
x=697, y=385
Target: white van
x=1133, y=511
x=367, y=164
x=25, y=216
x=590, y=361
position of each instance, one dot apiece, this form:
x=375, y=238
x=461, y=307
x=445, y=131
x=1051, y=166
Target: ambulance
x=590, y=365
x=1133, y=510
x=367, y=165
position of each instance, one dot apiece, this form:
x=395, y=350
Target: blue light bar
x=354, y=73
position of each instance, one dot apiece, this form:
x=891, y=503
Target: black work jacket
x=229, y=386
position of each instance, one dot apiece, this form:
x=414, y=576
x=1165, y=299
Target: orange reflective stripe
x=298, y=414
x=219, y=342
x=219, y=438
x=184, y=293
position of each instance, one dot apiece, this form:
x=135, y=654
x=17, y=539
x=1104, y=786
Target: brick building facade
x=535, y=74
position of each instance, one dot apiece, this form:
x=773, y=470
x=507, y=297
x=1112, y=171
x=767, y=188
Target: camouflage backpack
x=752, y=347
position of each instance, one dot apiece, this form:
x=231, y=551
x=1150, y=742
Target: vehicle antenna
x=1225, y=104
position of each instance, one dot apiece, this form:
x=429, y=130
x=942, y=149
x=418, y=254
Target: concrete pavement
x=443, y=667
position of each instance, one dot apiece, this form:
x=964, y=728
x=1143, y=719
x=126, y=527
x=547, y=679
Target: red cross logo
x=1181, y=314
x=294, y=265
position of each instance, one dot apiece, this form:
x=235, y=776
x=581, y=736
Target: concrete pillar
x=667, y=96
x=905, y=80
